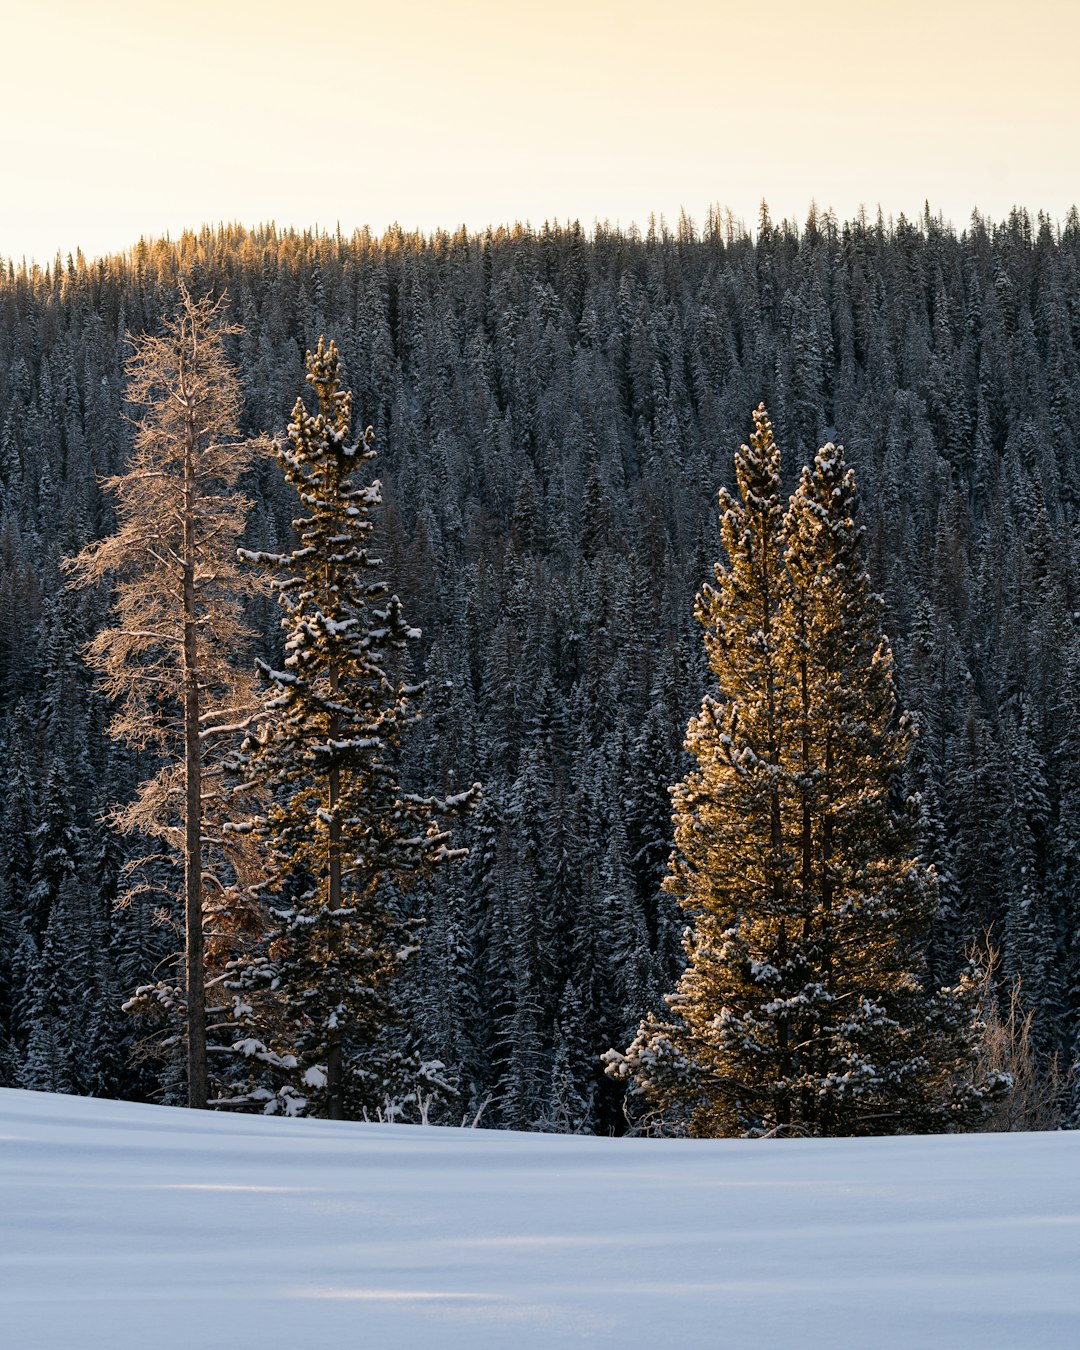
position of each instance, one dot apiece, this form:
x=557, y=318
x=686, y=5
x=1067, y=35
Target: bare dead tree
x=168, y=657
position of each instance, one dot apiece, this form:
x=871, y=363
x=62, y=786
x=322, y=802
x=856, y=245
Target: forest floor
x=124, y=1227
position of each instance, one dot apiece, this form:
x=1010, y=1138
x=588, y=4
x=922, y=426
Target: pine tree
x=58, y=847
x=801, y=1008
x=730, y=852
x=60, y=1056
x=343, y=836
x=884, y=1054
x=570, y=1099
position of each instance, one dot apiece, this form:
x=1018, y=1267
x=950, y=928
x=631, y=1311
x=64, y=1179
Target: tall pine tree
x=802, y=1008
x=344, y=837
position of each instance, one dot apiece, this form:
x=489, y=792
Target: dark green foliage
x=553, y=414
x=341, y=835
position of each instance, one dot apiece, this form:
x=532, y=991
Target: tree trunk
x=827, y=887
x=196, y=995
x=809, y=1104
x=335, y=1105
x=776, y=833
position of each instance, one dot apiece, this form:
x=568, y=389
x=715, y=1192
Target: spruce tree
x=883, y=1053
x=343, y=836
x=802, y=1008
x=731, y=856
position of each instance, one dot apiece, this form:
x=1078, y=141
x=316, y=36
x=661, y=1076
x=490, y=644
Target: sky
x=129, y=118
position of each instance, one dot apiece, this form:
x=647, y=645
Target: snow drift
x=125, y=1226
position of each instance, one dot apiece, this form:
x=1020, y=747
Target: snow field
x=125, y=1226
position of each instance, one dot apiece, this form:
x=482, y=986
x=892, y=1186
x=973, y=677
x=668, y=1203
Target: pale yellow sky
x=121, y=118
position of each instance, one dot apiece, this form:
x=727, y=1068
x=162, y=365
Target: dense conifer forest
x=553, y=412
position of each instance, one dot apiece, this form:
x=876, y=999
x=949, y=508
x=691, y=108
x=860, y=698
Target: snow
x=123, y=1226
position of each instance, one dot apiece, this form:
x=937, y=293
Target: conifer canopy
x=803, y=1007
x=344, y=837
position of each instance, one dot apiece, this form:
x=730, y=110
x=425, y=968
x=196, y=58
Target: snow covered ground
x=128, y=1226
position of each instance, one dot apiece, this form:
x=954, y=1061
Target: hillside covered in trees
x=554, y=412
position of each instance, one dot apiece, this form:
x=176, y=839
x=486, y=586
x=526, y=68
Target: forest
x=553, y=412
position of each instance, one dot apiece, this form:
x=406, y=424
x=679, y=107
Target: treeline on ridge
x=554, y=412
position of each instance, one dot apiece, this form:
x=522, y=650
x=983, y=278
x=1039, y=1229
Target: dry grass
x=1034, y=1101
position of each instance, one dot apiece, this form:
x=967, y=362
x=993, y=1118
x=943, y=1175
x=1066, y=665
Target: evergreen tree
x=343, y=836
x=801, y=1008
x=61, y=1055
x=730, y=853
x=58, y=847
x=883, y=1053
